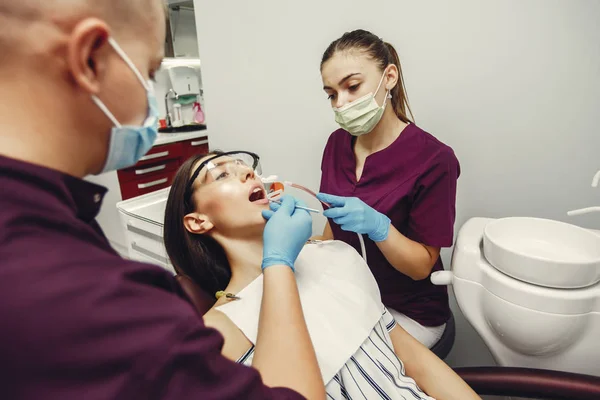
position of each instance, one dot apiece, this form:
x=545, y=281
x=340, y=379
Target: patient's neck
x=245, y=259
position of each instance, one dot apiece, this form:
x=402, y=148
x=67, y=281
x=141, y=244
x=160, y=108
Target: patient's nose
x=246, y=173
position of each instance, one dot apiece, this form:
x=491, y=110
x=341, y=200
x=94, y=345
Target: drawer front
x=195, y=146
x=135, y=227
x=146, y=185
x=144, y=172
x=159, y=154
x=145, y=242
x=149, y=258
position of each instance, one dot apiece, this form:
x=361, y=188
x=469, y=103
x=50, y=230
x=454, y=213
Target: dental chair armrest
x=201, y=300
x=531, y=383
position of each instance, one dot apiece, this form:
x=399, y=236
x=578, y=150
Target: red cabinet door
x=173, y=151
x=148, y=171
x=146, y=185
x=157, y=169
x=195, y=146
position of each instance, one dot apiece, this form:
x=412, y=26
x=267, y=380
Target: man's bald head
x=23, y=21
x=56, y=57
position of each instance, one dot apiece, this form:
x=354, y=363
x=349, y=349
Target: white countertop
x=166, y=138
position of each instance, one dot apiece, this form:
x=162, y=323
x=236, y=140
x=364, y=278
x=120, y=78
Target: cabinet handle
x=149, y=170
x=144, y=233
x=152, y=184
x=154, y=156
x=199, y=143
x=148, y=253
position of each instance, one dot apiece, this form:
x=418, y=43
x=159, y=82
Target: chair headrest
x=201, y=300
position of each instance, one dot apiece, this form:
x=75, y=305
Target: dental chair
x=199, y=298
x=531, y=383
x=494, y=381
x=444, y=345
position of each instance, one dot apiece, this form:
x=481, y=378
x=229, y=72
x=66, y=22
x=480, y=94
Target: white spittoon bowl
x=543, y=252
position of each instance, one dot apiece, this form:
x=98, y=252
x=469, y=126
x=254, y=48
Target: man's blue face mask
x=130, y=143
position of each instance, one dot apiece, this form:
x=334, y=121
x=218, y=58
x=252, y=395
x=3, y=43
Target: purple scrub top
x=79, y=322
x=413, y=182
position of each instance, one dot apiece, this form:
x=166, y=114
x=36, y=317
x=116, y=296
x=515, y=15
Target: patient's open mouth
x=258, y=195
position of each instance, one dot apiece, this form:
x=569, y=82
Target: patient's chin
x=255, y=222
x=242, y=222
x=262, y=221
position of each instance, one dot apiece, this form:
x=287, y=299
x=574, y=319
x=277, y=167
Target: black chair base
x=444, y=345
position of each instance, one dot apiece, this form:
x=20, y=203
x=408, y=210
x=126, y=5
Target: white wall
x=513, y=86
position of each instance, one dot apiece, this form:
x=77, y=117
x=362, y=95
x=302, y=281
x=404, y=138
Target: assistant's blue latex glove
x=353, y=215
x=286, y=232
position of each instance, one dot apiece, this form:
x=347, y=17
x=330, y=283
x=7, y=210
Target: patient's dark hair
x=199, y=257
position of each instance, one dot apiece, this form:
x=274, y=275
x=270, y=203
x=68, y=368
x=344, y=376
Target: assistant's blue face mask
x=130, y=143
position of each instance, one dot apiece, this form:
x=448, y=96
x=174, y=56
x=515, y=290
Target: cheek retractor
x=275, y=189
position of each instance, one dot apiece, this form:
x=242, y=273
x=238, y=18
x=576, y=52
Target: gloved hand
x=286, y=232
x=353, y=215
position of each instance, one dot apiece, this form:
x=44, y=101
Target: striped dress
x=373, y=372
x=348, y=324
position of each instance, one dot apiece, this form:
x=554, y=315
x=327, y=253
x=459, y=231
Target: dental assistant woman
x=388, y=180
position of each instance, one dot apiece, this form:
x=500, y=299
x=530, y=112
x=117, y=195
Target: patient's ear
x=198, y=224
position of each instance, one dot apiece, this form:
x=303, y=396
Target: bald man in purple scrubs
x=388, y=180
x=79, y=322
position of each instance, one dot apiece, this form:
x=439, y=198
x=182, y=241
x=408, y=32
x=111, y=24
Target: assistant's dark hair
x=383, y=54
x=200, y=257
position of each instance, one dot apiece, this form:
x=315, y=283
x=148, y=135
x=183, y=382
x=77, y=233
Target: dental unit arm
x=276, y=188
x=595, y=182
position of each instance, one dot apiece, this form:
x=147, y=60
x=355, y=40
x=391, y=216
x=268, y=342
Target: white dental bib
x=340, y=300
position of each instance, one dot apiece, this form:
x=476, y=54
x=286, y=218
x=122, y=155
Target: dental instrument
x=595, y=183
x=583, y=211
x=276, y=189
x=596, y=179
x=312, y=210
x=280, y=187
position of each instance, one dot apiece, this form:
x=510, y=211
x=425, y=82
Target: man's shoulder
x=65, y=282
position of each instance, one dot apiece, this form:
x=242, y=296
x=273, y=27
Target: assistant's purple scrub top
x=79, y=322
x=413, y=182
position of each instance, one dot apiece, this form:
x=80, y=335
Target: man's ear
x=198, y=224
x=88, y=53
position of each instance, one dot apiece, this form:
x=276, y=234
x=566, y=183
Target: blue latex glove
x=285, y=234
x=353, y=215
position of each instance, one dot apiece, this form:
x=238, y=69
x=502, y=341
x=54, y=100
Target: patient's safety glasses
x=225, y=166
